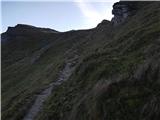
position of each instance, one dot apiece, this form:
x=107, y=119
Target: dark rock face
x=123, y=9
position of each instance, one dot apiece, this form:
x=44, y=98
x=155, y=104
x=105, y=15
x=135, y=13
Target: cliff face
x=116, y=73
x=124, y=9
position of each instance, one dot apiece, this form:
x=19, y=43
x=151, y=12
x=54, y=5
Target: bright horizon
x=58, y=15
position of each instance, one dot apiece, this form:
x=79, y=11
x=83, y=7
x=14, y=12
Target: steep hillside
x=111, y=72
x=30, y=62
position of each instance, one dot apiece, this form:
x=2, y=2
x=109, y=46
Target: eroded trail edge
x=70, y=64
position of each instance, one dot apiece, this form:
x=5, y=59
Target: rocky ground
x=66, y=72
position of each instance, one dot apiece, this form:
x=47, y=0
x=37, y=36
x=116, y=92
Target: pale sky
x=61, y=15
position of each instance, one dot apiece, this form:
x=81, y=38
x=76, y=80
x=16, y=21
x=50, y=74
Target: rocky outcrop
x=123, y=9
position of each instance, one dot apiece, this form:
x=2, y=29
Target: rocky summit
x=110, y=72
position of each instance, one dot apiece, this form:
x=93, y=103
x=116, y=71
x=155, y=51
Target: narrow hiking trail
x=70, y=64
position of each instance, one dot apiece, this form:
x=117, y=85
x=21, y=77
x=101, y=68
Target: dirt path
x=63, y=76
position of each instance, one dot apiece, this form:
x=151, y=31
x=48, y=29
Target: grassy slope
x=21, y=77
x=119, y=79
x=106, y=54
